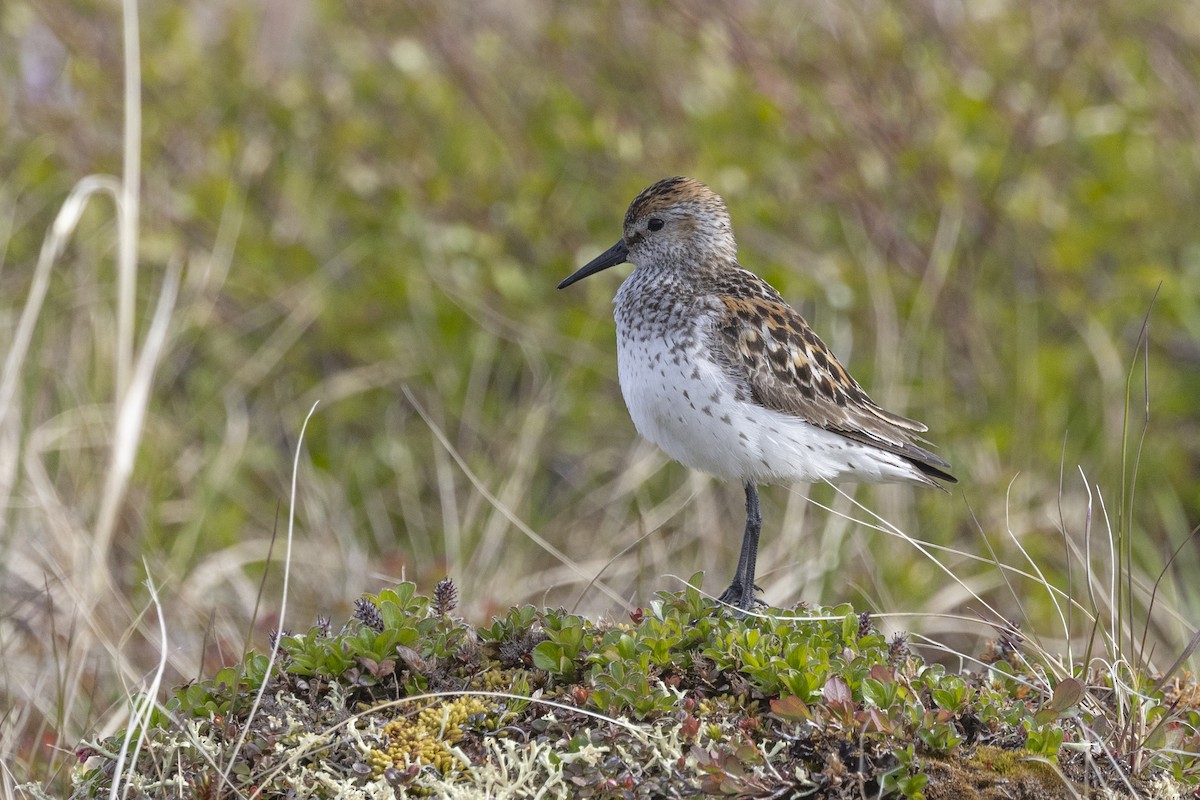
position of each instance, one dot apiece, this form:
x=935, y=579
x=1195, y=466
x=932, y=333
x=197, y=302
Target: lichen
x=427, y=738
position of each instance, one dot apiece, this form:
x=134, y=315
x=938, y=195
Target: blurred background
x=978, y=205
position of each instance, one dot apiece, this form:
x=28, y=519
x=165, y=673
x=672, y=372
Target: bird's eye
x=655, y=224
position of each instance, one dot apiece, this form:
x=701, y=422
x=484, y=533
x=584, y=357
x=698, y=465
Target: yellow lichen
x=499, y=680
x=426, y=739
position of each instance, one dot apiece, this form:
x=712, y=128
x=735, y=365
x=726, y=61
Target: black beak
x=609, y=258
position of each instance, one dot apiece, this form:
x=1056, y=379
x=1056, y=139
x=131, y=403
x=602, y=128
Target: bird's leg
x=741, y=592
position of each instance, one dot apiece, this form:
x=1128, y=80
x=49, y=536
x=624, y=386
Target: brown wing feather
x=788, y=368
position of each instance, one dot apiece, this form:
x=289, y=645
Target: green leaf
x=1044, y=717
x=1068, y=693
x=850, y=628
x=876, y=692
x=548, y=656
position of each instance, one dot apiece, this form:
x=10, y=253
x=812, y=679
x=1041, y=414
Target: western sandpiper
x=726, y=377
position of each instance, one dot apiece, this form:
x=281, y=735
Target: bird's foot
x=740, y=598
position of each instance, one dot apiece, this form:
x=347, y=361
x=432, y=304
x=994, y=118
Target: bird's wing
x=772, y=352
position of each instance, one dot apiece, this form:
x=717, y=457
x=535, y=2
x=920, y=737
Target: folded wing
x=784, y=366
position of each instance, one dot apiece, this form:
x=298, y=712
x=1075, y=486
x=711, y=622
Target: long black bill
x=609, y=258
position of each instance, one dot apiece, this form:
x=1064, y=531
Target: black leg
x=741, y=592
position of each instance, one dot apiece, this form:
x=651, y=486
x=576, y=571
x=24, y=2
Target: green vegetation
x=369, y=204
x=683, y=698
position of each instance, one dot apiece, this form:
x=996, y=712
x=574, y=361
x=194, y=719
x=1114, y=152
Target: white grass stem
x=287, y=570
x=131, y=413
x=128, y=221
x=1114, y=604
x=1041, y=577
x=503, y=509
x=888, y=527
x=52, y=247
x=146, y=704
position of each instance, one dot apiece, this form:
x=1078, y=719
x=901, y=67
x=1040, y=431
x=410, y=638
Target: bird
x=725, y=377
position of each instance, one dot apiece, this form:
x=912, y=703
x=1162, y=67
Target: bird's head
x=678, y=224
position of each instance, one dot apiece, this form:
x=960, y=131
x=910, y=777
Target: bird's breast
x=679, y=395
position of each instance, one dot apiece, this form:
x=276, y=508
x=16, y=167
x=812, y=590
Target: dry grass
x=507, y=458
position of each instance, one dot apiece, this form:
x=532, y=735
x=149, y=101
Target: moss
x=499, y=680
x=991, y=773
x=426, y=739
x=688, y=699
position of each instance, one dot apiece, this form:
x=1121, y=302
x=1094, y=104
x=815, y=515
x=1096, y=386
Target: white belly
x=688, y=406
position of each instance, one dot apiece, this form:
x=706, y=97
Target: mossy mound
x=682, y=699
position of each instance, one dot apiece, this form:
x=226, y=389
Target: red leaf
x=837, y=691
x=791, y=708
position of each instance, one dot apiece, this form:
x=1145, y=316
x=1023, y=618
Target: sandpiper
x=724, y=376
